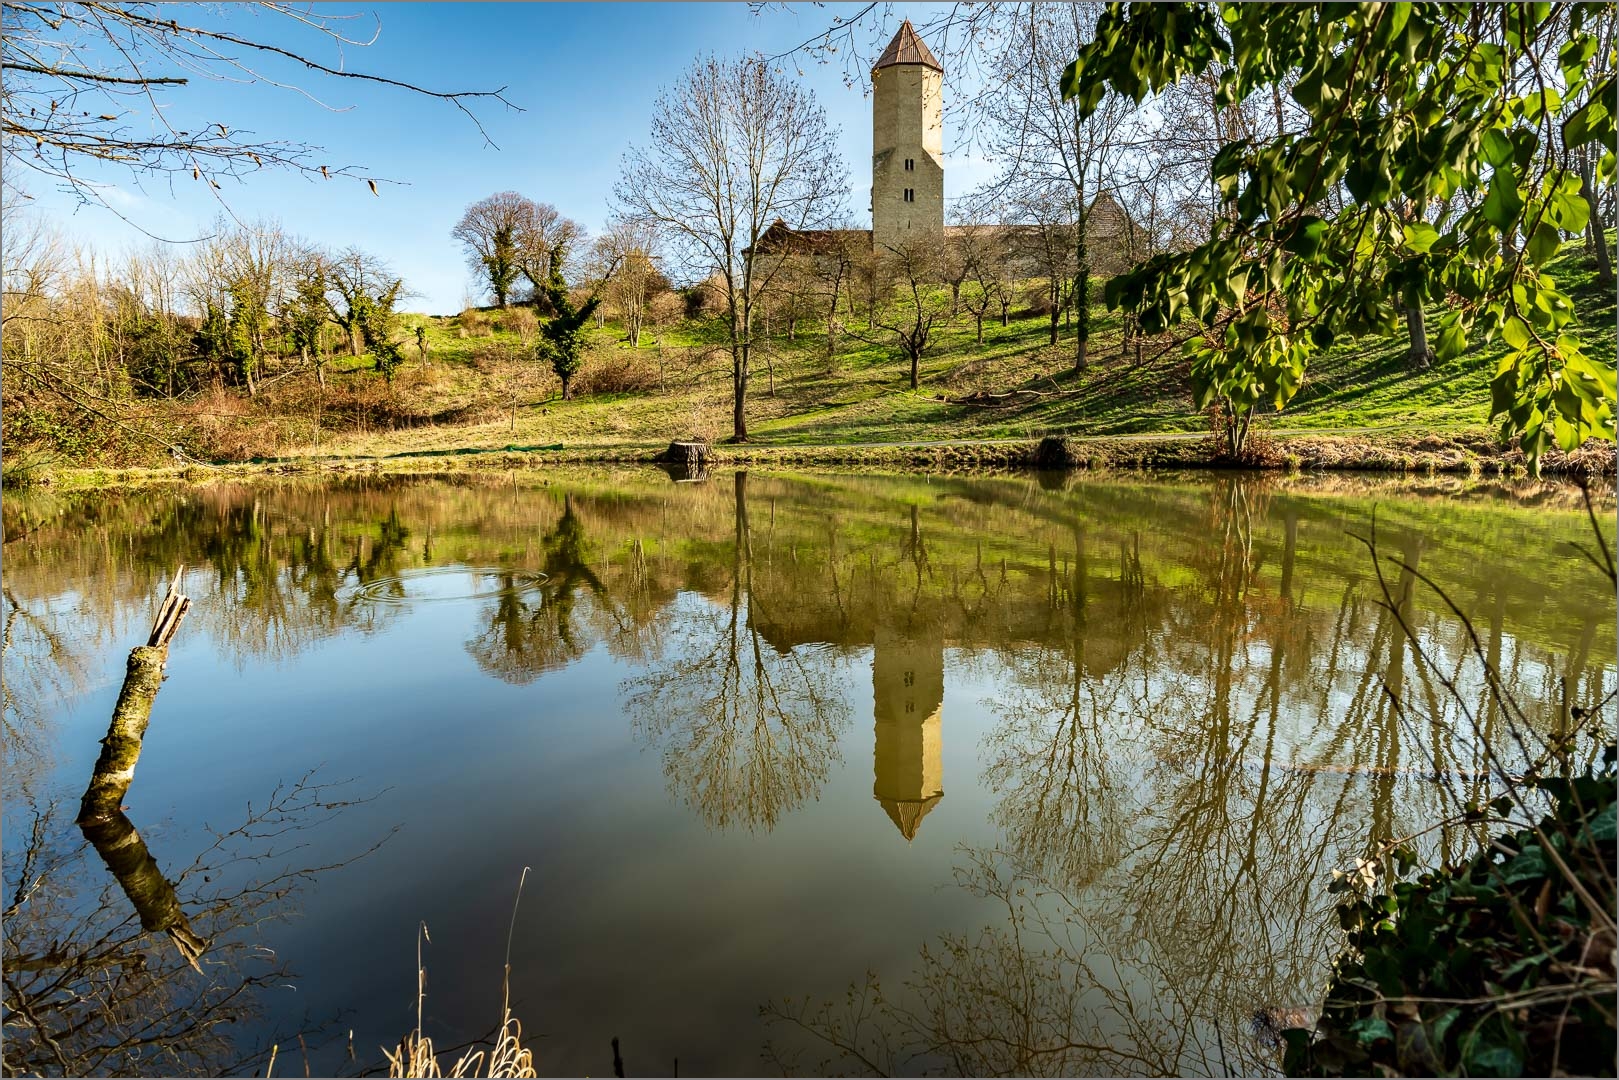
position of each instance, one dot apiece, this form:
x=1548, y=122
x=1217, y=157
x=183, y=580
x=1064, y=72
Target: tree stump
x=693, y=454
x=1054, y=453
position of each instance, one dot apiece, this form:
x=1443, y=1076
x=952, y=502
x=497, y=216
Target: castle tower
x=908, y=683
x=907, y=143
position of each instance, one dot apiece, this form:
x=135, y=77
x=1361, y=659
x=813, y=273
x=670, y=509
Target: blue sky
x=585, y=74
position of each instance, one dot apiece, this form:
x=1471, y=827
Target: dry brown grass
x=474, y=323
x=414, y=1056
x=617, y=372
x=518, y=320
x=508, y=1057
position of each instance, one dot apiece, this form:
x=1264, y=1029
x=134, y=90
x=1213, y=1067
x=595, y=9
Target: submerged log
x=121, y=749
x=1055, y=453
x=692, y=454
x=138, y=875
x=101, y=817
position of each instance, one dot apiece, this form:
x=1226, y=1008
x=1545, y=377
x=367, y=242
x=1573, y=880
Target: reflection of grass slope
x=966, y=525
x=482, y=388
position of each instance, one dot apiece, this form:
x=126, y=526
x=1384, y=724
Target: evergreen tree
x=247, y=324
x=306, y=317
x=559, y=337
x=213, y=338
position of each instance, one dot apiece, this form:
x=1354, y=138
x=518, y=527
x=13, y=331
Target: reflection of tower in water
x=907, y=678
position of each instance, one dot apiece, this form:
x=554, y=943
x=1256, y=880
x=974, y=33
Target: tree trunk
x=1082, y=267
x=565, y=382
x=1082, y=302
x=979, y=317
x=1595, y=238
x=1006, y=316
x=354, y=338
x=1416, y=322
x=121, y=749
x=1054, y=293
x=916, y=359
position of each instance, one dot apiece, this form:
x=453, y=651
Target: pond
x=807, y=772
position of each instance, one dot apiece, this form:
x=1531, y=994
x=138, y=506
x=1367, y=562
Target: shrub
x=1495, y=968
x=616, y=371
x=518, y=320
x=475, y=322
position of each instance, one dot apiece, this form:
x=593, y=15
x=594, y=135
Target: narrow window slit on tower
x=910, y=164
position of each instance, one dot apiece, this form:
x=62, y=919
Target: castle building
x=907, y=180
x=907, y=143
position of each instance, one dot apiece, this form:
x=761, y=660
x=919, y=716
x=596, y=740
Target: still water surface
x=811, y=772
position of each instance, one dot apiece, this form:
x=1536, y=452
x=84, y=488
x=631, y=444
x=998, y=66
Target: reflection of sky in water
x=684, y=873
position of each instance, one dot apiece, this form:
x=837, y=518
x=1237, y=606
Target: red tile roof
x=907, y=48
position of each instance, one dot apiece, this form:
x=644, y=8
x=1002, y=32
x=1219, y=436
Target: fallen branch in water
x=121, y=749
x=101, y=815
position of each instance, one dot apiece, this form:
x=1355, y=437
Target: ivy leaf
x=1369, y=1029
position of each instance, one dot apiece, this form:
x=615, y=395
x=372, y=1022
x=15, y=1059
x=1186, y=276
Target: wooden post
x=121, y=749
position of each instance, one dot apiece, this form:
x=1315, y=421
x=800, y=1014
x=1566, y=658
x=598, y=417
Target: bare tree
x=492, y=230
x=1045, y=232
x=87, y=86
x=355, y=281
x=541, y=228
x=734, y=147
x=980, y=250
x=908, y=309
x=832, y=264
x=1041, y=140
x=35, y=260
x=630, y=247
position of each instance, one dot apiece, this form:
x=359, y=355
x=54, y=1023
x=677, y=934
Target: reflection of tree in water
x=145, y=975
x=1033, y=996
x=1062, y=802
x=40, y=668
x=748, y=732
x=1209, y=901
x=278, y=584
x=532, y=626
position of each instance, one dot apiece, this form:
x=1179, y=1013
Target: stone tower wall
x=907, y=122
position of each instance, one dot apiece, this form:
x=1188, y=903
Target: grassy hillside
x=483, y=394
x=478, y=387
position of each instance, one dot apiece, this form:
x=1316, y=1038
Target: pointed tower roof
x=907, y=48
x=908, y=813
